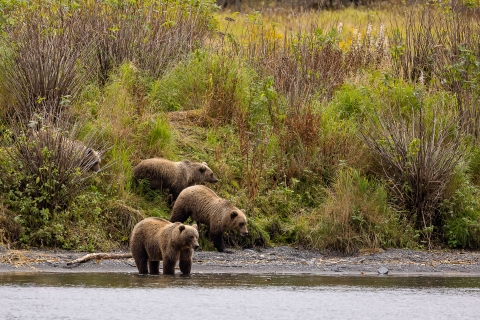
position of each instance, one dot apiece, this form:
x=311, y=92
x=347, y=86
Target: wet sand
x=277, y=260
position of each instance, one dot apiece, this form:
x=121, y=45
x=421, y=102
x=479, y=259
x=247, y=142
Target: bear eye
x=241, y=224
x=191, y=237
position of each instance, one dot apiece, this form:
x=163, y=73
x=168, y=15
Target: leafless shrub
x=417, y=156
x=44, y=61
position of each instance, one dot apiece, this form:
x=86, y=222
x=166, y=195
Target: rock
x=335, y=269
x=382, y=270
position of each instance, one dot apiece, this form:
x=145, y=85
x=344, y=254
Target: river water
x=235, y=296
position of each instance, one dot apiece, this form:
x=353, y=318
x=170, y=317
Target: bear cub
x=154, y=239
x=204, y=206
x=175, y=176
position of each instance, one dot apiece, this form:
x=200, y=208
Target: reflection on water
x=133, y=280
x=235, y=296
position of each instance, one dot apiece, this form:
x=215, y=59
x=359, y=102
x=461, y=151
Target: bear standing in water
x=155, y=239
x=204, y=206
x=175, y=176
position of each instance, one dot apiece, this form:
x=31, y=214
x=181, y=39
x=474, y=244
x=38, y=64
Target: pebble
x=382, y=270
x=335, y=269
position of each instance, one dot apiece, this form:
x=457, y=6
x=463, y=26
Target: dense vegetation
x=343, y=130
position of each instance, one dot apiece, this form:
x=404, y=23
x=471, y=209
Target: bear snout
x=96, y=167
x=195, y=247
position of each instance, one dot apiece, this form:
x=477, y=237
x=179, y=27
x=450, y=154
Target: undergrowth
x=333, y=137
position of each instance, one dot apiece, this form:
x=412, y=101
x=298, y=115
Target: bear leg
x=142, y=266
x=154, y=267
x=169, y=266
x=186, y=261
x=218, y=242
x=141, y=259
x=175, y=192
x=179, y=215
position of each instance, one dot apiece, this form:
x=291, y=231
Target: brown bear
x=204, y=206
x=90, y=158
x=175, y=176
x=154, y=239
x=75, y=150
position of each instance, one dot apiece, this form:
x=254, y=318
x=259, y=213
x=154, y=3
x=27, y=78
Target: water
x=235, y=296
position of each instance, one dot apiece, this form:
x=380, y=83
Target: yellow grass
x=277, y=23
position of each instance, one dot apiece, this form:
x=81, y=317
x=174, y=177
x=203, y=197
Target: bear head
x=92, y=159
x=186, y=237
x=237, y=221
x=202, y=173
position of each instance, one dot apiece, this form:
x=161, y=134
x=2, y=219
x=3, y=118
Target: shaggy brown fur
x=52, y=138
x=175, y=176
x=155, y=239
x=204, y=206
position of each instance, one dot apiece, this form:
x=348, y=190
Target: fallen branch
x=97, y=256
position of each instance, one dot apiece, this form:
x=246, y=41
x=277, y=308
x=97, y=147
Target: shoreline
x=274, y=260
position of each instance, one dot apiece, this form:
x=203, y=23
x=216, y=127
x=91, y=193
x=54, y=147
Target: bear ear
x=181, y=227
x=202, y=168
x=233, y=214
x=205, y=164
x=195, y=226
x=243, y=210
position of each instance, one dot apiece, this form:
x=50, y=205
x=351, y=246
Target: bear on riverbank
x=175, y=176
x=155, y=239
x=204, y=206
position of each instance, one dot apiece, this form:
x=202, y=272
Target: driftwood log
x=96, y=256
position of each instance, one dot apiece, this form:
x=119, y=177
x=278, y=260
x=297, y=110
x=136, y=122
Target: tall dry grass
x=440, y=49
x=150, y=34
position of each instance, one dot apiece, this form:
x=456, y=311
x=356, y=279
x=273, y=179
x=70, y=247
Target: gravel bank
x=284, y=260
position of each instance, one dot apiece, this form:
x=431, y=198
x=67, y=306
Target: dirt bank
x=268, y=260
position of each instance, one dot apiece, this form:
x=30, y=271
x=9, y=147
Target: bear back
x=156, y=169
x=203, y=205
x=176, y=176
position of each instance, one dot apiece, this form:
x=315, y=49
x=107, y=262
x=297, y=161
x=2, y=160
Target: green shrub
x=356, y=215
x=461, y=214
